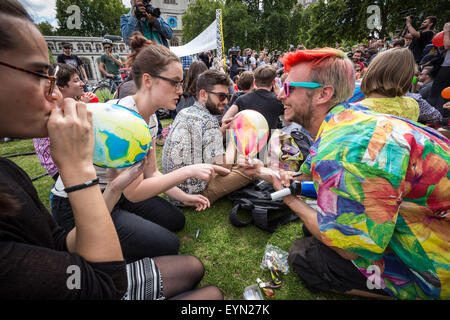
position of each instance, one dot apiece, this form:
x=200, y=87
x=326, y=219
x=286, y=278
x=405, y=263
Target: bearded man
x=196, y=137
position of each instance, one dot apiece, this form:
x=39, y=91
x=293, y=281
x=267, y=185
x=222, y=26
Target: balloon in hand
x=122, y=137
x=249, y=130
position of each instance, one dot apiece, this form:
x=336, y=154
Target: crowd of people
x=380, y=170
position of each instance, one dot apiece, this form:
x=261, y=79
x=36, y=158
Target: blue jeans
x=145, y=228
x=114, y=82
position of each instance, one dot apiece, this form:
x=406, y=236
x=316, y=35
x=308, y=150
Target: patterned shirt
x=42, y=147
x=384, y=193
x=194, y=138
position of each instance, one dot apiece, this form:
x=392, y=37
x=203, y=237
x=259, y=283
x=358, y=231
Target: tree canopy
x=276, y=24
x=97, y=17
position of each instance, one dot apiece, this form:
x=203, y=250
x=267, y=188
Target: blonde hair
x=390, y=73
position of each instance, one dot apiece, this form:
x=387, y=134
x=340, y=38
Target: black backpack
x=255, y=198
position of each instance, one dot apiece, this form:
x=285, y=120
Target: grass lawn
x=231, y=256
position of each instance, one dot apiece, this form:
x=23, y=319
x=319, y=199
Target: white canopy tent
x=207, y=40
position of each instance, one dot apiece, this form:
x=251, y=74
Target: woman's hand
x=205, y=171
x=87, y=97
x=119, y=179
x=196, y=200
x=72, y=141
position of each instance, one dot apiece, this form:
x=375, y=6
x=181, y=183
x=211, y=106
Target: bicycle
x=104, y=90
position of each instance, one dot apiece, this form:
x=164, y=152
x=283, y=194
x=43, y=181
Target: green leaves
x=276, y=24
x=97, y=17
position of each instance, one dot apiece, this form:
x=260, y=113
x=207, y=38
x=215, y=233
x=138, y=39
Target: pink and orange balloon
x=249, y=131
x=446, y=93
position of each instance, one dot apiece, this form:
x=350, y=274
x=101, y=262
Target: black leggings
x=145, y=228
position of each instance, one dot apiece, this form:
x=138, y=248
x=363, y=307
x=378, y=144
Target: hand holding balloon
x=249, y=130
x=89, y=97
x=122, y=137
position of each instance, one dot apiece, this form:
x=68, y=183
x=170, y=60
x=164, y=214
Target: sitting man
x=381, y=227
x=196, y=137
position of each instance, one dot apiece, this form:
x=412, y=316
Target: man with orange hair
x=381, y=226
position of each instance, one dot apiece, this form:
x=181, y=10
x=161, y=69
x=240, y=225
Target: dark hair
x=65, y=73
x=150, y=58
x=246, y=80
x=195, y=69
x=210, y=78
x=432, y=19
x=401, y=43
x=137, y=43
x=11, y=8
x=264, y=75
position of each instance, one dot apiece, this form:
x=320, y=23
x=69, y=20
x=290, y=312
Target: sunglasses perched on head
x=311, y=85
x=222, y=96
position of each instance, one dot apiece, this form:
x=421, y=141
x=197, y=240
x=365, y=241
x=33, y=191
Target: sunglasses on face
x=311, y=85
x=222, y=96
x=51, y=79
x=107, y=47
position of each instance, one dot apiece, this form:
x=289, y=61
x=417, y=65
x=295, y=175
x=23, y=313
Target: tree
x=45, y=28
x=97, y=17
x=198, y=17
x=276, y=24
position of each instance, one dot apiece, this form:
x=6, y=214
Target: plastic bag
x=277, y=257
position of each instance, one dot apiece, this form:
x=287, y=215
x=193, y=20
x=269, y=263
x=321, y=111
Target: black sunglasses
x=51, y=79
x=177, y=84
x=222, y=96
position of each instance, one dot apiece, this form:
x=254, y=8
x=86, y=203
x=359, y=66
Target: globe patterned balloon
x=122, y=137
x=250, y=131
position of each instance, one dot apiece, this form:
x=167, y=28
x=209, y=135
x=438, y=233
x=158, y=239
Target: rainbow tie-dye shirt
x=384, y=193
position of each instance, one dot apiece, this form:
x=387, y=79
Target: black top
x=73, y=60
x=265, y=102
x=418, y=44
x=34, y=261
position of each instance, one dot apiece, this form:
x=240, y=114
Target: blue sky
x=44, y=10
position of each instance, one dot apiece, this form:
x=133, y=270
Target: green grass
x=231, y=256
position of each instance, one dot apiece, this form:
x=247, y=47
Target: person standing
x=110, y=64
x=68, y=58
x=422, y=37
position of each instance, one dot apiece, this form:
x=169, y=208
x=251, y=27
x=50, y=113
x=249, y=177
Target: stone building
x=90, y=49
